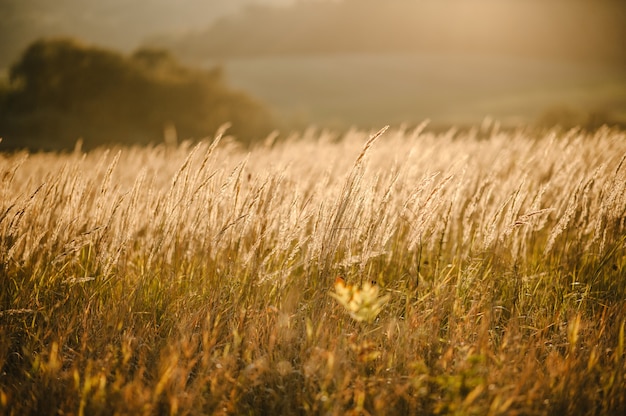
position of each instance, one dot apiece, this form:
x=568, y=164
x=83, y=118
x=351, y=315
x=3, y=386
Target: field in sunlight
x=405, y=272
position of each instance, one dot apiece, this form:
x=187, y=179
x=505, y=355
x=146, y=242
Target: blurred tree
x=61, y=90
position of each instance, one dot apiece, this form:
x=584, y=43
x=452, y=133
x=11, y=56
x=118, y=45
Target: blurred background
x=136, y=72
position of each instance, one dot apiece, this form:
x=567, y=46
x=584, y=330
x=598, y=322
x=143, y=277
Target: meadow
x=400, y=272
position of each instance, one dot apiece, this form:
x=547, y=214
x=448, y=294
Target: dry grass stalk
x=180, y=279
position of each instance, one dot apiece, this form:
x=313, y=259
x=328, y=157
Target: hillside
x=572, y=29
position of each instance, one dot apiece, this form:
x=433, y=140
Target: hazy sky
x=120, y=24
x=552, y=25
x=127, y=24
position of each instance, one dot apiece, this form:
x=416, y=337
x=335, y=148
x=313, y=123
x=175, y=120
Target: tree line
x=62, y=90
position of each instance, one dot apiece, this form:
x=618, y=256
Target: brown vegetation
x=198, y=280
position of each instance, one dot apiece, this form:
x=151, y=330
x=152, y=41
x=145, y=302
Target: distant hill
x=562, y=29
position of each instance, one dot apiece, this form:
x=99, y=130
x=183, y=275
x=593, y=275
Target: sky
x=118, y=24
x=125, y=25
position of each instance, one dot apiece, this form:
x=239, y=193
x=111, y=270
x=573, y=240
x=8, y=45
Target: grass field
x=401, y=273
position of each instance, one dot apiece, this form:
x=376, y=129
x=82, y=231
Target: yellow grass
x=199, y=279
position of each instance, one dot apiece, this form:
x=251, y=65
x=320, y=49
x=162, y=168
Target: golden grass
x=198, y=279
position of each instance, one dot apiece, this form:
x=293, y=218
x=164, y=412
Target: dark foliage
x=60, y=91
